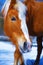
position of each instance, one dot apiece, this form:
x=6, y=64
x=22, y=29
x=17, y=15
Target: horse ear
x=5, y=7
x=8, y=4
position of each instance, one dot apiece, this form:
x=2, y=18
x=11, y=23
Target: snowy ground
x=7, y=56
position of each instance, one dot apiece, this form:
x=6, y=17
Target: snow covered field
x=7, y=54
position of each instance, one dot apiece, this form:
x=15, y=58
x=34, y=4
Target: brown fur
x=13, y=31
x=35, y=18
x=35, y=23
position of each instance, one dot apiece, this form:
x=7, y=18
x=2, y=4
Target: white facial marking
x=22, y=11
x=6, y=7
x=20, y=42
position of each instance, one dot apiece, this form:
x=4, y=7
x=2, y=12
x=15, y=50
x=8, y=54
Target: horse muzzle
x=26, y=47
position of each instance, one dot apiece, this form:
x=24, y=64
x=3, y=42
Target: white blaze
x=22, y=12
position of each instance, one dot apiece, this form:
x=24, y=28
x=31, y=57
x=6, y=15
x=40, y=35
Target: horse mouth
x=24, y=50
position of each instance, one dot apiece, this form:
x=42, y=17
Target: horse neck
x=30, y=11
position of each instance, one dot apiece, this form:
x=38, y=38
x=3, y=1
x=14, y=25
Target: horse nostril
x=25, y=45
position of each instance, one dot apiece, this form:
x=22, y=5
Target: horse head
x=15, y=26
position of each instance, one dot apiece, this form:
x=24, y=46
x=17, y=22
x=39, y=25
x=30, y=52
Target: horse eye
x=13, y=18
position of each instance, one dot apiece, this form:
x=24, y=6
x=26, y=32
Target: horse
x=34, y=21
x=16, y=29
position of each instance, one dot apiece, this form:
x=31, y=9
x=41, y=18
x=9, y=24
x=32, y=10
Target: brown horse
x=16, y=29
x=35, y=23
x=34, y=19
